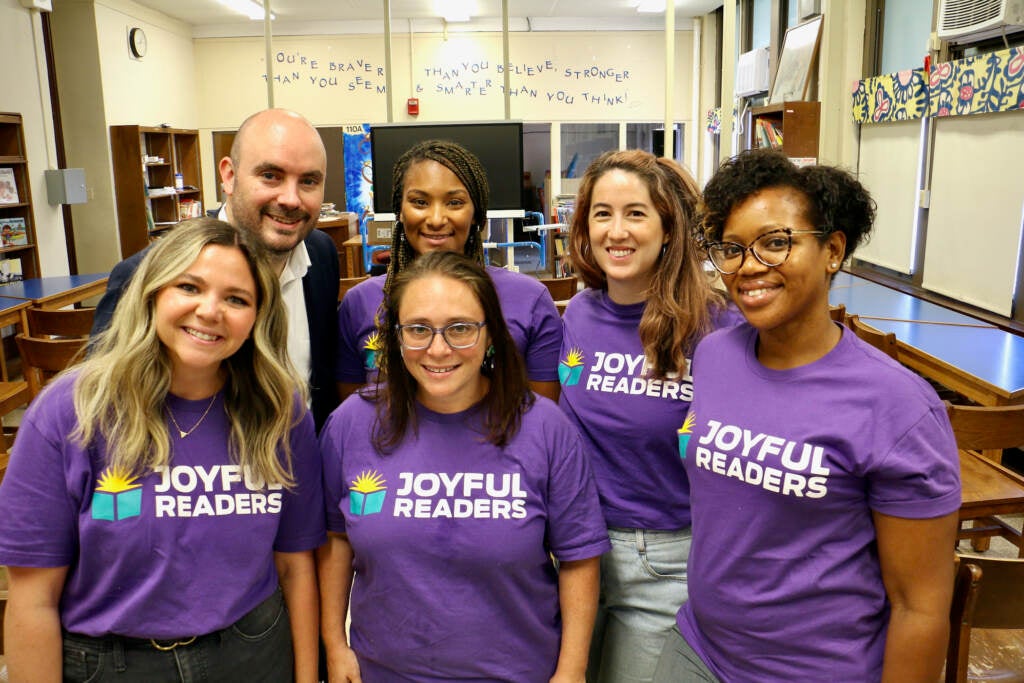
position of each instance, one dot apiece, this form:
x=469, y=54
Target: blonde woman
x=160, y=492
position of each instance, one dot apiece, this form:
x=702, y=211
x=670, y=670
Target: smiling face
x=791, y=299
x=437, y=211
x=274, y=180
x=626, y=234
x=448, y=380
x=204, y=315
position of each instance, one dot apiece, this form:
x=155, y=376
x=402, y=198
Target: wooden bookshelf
x=798, y=123
x=13, y=157
x=146, y=160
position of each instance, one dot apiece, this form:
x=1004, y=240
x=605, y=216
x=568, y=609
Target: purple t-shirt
x=529, y=312
x=786, y=468
x=452, y=537
x=629, y=422
x=183, y=551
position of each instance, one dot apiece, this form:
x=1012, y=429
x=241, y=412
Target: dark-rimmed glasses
x=772, y=249
x=458, y=335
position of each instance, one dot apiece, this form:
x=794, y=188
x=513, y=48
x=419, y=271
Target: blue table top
x=7, y=303
x=42, y=287
x=975, y=347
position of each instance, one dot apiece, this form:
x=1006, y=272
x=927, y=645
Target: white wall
x=101, y=85
x=25, y=92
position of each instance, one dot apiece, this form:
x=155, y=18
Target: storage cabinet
x=18, y=252
x=146, y=163
x=797, y=123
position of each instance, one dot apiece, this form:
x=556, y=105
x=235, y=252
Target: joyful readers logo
x=684, y=433
x=370, y=349
x=117, y=496
x=571, y=369
x=367, y=494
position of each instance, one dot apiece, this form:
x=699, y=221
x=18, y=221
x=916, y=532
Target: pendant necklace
x=181, y=432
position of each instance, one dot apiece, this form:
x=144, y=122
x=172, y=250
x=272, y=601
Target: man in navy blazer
x=274, y=183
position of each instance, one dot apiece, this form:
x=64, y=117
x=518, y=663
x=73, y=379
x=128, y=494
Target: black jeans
x=257, y=647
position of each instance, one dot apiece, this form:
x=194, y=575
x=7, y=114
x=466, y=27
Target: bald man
x=274, y=182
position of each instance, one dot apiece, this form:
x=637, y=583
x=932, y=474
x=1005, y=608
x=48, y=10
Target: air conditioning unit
x=962, y=21
x=752, y=73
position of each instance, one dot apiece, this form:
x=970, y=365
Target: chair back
x=991, y=626
x=41, y=359
x=347, y=283
x=838, y=313
x=560, y=288
x=67, y=322
x=979, y=428
x=883, y=341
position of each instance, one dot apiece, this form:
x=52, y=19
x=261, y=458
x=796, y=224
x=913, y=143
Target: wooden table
x=12, y=312
x=56, y=291
x=988, y=489
x=972, y=357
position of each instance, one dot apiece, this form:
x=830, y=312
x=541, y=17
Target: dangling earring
x=487, y=367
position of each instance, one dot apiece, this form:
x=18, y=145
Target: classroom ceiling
x=207, y=13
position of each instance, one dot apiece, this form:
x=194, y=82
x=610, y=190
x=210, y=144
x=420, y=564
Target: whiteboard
x=977, y=207
x=890, y=155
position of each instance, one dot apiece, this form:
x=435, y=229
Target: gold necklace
x=181, y=432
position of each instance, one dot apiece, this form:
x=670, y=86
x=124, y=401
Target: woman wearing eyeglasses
x=449, y=489
x=626, y=346
x=824, y=476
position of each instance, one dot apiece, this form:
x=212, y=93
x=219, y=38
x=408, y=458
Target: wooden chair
x=989, y=428
x=348, y=283
x=987, y=641
x=66, y=322
x=838, y=313
x=883, y=341
x=41, y=359
x=561, y=288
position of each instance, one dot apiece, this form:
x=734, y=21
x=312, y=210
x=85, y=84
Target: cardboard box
x=379, y=232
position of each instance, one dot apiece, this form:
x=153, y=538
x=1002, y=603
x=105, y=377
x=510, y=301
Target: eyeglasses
x=772, y=249
x=458, y=335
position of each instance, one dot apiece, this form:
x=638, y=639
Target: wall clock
x=137, y=42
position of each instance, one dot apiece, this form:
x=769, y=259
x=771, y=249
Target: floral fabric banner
x=983, y=84
x=893, y=97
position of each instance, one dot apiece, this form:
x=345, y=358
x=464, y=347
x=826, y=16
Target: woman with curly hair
x=440, y=198
x=160, y=492
x=631, y=333
x=824, y=475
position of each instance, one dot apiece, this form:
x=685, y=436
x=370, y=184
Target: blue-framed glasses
x=458, y=335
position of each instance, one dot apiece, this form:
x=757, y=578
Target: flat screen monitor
x=498, y=145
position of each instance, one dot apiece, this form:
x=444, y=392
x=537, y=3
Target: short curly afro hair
x=836, y=201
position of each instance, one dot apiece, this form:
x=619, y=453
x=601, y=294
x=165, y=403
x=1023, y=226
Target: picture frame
x=799, y=50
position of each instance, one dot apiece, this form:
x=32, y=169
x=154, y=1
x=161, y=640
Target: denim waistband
x=629, y=534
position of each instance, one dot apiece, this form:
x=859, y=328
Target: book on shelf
x=559, y=245
x=769, y=134
x=12, y=232
x=8, y=187
x=10, y=270
x=189, y=208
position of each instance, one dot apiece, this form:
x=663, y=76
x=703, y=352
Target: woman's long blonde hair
x=121, y=389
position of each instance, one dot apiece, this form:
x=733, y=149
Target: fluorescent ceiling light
x=454, y=10
x=250, y=8
x=651, y=6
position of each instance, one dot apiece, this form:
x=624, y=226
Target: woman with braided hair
x=440, y=199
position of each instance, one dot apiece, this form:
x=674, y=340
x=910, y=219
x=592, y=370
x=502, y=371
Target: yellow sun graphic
x=116, y=481
x=368, y=482
x=574, y=358
x=373, y=342
x=687, y=427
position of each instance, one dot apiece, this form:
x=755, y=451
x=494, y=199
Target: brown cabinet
x=792, y=127
x=146, y=163
x=17, y=222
